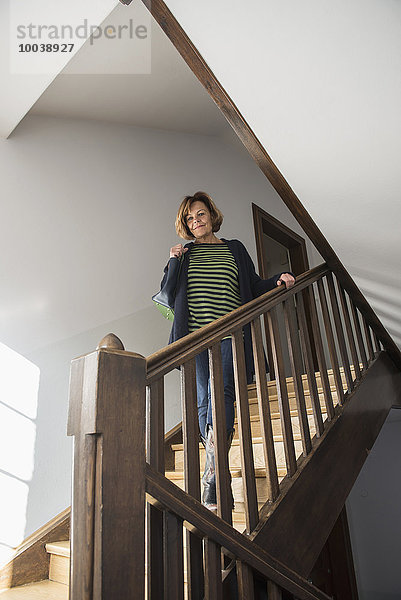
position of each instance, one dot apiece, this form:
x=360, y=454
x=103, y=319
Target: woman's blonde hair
x=181, y=226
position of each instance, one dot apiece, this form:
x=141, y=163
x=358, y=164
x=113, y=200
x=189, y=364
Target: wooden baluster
x=368, y=339
x=109, y=560
x=282, y=393
x=213, y=581
x=273, y=591
x=246, y=586
x=358, y=332
x=297, y=368
x=340, y=333
x=224, y=509
x=190, y=432
x=350, y=333
x=273, y=489
x=376, y=342
x=173, y=558
x=155, y=457
x=190, y=429
x=244, y=430
x=330, y=342
x=310, y=371
x=324, y=377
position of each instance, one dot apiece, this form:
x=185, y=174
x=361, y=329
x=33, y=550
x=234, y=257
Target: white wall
x=90, y=218
x=144, y=331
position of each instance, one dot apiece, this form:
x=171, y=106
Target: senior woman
x=216, y=277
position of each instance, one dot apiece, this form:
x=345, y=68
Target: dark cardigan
x=250, y=286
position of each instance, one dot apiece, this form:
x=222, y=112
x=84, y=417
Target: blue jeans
x=203, y=387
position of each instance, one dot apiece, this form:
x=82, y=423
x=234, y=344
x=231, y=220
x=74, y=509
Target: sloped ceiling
x=169, y=97
x=20, y=88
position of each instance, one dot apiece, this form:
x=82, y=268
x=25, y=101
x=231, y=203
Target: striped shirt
x=213, y=287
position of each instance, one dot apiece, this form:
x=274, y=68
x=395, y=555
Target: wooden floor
x=43, y=590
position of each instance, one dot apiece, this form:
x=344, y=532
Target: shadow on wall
x=382, y=290
x=19, y=385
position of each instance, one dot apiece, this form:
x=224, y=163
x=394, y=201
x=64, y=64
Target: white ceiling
x=169, y=97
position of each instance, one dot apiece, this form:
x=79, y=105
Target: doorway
x=280, y=249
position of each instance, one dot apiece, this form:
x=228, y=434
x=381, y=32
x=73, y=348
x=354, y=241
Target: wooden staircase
x=137, y=522
x=56, y=586
x=53, y=588
x=177, y=476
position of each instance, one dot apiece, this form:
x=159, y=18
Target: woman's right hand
x=177, y=251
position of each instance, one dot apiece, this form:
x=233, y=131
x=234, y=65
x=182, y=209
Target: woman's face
x=198, y=220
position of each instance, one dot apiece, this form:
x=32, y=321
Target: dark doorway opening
x=268, y=230
x=279, y=249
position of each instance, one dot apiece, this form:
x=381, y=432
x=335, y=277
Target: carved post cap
x=111, y=341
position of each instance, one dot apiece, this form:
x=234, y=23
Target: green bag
x=166, y=311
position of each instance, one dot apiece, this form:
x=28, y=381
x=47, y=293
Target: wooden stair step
x=59, y=568
x=252, y=392
x=239, y=511
x=235, y=456
x=235, y=453
x=235, y=442
x=59, y=548
x=276, y=423
x=274, y=404
x=238, y=517
x=42, y=590
x=177, y=477
x=237, y=472
x=275, y=415
x=271, y=385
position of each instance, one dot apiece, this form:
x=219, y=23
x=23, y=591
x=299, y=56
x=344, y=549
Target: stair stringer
x=31, y=561
x=295, y=529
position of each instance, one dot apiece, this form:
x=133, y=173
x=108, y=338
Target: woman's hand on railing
x=286, y=279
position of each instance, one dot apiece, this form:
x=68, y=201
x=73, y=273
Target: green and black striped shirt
x=213, y=287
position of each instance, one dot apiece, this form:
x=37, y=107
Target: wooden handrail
x=174, y=355
x=199, y=518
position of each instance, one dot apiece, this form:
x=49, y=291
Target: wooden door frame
x=264, y=223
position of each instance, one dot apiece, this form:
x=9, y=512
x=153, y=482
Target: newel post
x=107, y=420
